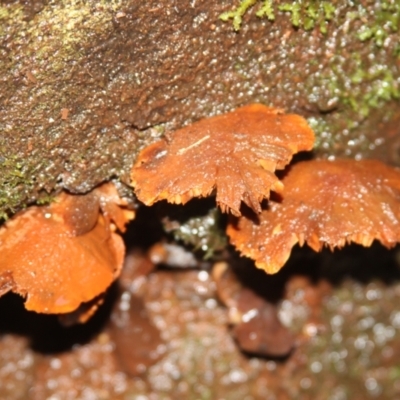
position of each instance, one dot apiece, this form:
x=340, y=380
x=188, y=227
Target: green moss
x=14, y=173
x=236, y=15
x=203, y=232
x=266, y=10
x=308, y=14
x=362, y=88
x=45, y=199
x=350, y=92
x=380, y=22
x=382, y=87
x=305, y=14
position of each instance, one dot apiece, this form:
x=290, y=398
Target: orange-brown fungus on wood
x=324, y=203
x=235, y=153
x=61, y=255
x=113, y=207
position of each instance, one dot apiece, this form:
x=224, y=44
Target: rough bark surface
x=85, y=85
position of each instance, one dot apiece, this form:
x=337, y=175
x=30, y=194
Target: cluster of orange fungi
x=66, y=254
x=318, y=202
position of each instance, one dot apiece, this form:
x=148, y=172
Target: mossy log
x=86, y=84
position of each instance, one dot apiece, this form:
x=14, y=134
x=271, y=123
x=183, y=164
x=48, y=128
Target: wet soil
x=346, y=326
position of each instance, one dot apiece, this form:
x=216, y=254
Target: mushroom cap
x=60, y=255
x=324, y=203
x=235, y=153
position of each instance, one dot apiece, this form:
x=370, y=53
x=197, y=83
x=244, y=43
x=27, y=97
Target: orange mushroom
x=235, y=153
x=61, y=255
x=324, y=203
x=113, y=207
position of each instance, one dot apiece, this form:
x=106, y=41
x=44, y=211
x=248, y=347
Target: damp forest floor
x=342, y=308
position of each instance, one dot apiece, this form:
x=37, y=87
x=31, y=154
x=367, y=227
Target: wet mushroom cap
x=324, y=203
x=61, y=255
x=235, y=153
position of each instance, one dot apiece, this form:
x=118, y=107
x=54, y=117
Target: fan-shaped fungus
x=324, y=203
x=61, y=255
x=235, y=153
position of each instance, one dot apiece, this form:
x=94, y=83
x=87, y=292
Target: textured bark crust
x=85, y=85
